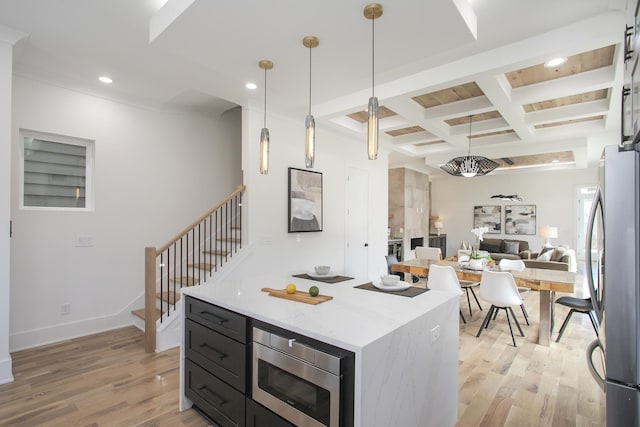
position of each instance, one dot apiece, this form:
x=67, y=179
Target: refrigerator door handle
x=598, y=306
x=591, y=348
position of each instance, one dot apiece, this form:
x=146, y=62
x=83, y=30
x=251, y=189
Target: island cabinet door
x=259, y=416
x=221, y=402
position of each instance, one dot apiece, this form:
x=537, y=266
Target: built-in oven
x=304, y=381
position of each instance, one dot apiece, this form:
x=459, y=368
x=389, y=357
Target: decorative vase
x=477, y=264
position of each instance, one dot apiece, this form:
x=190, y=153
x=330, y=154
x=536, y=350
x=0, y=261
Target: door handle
x=366, y=245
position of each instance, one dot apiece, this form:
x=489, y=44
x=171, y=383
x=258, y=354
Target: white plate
x=329, y=275
x=400, y=286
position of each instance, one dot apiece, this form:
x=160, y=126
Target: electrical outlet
x=65, y=309
x=435, y=334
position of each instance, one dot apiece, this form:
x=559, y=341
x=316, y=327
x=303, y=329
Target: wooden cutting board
x=299, y=296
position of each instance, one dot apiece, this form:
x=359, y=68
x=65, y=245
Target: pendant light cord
x=310, y=49
x=265, y=97
x=373, y=54
x=469, y=152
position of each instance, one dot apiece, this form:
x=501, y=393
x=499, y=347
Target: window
x=57, y=171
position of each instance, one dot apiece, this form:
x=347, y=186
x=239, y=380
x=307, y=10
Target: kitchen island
x=406, y=349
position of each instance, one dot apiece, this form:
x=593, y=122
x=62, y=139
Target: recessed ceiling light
x=105, y=79
x=555, y=161
x=251, y=86
x=555, y=62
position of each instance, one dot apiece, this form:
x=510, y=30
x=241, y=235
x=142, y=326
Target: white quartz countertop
x=353, y=319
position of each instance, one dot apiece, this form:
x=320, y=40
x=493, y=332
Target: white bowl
x=322, y=269
x=389, y=279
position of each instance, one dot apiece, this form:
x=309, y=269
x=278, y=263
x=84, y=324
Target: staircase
x=191, y=258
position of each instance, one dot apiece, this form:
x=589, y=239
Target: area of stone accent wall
x=409, y=208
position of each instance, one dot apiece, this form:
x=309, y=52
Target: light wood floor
x=107, y=380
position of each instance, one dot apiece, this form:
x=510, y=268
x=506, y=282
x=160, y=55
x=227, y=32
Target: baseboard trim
x=6, y=375
x=65, y=331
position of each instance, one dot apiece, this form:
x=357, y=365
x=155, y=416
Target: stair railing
x=203, y=246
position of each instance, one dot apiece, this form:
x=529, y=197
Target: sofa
x=559, y=258
x=505, y=248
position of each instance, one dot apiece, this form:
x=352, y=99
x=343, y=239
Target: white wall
x=553, y=193
x=267, y=196
x=155, y=172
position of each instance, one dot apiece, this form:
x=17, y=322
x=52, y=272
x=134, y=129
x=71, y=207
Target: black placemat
x=411, y=292
x=335, y=279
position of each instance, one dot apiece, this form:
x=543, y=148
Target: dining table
x=546, y=282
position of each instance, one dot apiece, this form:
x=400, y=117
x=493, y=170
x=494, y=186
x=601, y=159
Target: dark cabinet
x=440, y=241
x=217, y=361
x=259, y=416
x=395, y=248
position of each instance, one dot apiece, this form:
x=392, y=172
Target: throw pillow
x=511, y=248
x=558, y=253
x=544, y=256
x=490, y=248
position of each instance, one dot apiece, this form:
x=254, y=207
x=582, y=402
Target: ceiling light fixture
x=555, y=62
x=309, y=122
x=251, y=86
x=469, y=166
x=372, y=11
x=105, y=79
x=264, y=134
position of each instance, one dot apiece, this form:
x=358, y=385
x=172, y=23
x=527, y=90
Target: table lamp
x=438, y=226
x=548, y=232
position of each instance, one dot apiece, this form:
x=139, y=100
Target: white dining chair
x=425, y=252
x=499, y=289
x=516, y=265
x=443, y=278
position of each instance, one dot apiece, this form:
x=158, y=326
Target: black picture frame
x=305, y=201
x=488, y=216
x=520, y=219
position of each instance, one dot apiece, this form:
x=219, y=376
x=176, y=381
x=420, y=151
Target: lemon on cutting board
x=291, y=288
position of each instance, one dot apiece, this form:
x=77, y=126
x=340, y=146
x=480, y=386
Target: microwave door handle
x=597, y=204
x=591, y=348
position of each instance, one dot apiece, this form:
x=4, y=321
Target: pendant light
x=264, y=134
x=372, y=11
x=469, y=166
x=309, y=122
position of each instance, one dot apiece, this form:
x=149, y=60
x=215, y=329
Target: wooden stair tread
x=169, y=297
x=202, y=266
x=140, y=313
x=186, y=280
x=216, y=252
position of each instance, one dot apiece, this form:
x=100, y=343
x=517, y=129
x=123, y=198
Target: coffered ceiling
x=436, y=64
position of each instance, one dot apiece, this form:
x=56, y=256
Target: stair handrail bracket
x=190, y=258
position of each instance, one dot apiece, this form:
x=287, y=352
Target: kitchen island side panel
x=405, y=379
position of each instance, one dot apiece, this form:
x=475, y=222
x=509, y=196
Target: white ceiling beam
x=166, y=16
x=568, y=112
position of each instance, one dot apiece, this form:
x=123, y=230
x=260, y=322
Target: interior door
x=357, y=223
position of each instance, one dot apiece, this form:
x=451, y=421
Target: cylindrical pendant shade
x=372, y=128
x=264, y=151
x=310, y=141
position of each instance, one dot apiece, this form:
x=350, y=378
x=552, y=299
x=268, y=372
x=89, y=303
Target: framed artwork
x=520, y=219
x=488, y=216
x=305, y=200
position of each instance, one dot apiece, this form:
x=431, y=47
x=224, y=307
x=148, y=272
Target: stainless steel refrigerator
x=613, y=266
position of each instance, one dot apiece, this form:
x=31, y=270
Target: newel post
x=149, y=299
